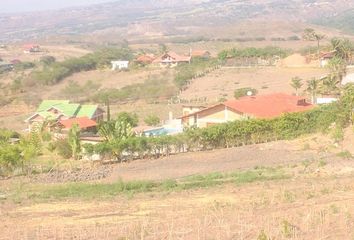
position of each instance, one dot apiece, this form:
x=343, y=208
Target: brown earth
x=315, y=203
x=223, y=82
x=303, y=207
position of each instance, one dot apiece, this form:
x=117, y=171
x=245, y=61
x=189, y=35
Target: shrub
x=241, y=92
x=64, y=149
x=152, y=120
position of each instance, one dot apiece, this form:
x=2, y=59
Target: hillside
x=140, y=19
x=343, y=21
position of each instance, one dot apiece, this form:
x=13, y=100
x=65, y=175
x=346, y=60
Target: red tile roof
x=200, y=53
x=269, y=106
x=264, y=106
x=148, y=58
x=174, y=56
x=83, y=122
x=328, y=54
x=30, y=46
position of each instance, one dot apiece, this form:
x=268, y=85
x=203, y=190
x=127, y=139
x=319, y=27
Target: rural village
x=156, y=136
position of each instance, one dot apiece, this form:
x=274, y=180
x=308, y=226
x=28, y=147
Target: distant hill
x=149, y=19
x=343, y=21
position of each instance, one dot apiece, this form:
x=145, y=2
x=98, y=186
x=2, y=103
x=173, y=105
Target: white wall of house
x=119, y=65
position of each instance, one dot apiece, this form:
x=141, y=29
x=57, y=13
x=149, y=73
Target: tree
x=296, y=83
x=74, y=141
x=312, y=88
x=311, y=35
x=342, y=48
x=131, y=118
x=152, y=120
x=338, y=69
x=115, y=132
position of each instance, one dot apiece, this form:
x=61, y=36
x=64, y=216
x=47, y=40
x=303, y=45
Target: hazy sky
x=9, y=6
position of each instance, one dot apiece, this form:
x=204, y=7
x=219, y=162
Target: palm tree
x=296, y=83
x=338, y=68
x=330, y=84
x=312, y=88
x=311, y=35
x=343, y=48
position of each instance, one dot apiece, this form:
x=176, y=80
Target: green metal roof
x=69, y=110
x=46, y=104
x=87, y=111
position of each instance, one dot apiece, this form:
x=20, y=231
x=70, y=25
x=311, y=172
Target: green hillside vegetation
x=266, y=53
x=54, y=72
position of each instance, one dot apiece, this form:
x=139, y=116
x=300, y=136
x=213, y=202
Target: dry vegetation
x=302, y=199
x=223, y=82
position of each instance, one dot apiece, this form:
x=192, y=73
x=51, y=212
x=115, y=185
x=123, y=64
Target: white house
x=120, y=65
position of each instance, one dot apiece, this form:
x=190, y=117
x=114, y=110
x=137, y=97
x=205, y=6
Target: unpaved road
x=221, y=160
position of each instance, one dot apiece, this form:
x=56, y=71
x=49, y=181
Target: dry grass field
x=303, y=199
x=60, y=52
x=223, y=82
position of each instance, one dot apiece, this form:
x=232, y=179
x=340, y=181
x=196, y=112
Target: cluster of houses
x=168, y=59
x=62, y=115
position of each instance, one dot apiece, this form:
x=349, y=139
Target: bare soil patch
x=222, y=160
x=224, y=81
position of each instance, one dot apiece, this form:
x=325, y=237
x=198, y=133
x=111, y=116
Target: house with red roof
x=171, y=59
x=31, y=48
x=263, y=107
x=200, y=54
x=84, y=123
x=145, y=59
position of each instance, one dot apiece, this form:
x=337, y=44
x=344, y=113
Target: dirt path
x=224, y=160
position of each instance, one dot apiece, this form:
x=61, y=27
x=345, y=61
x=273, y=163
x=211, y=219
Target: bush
x=241, y=92
x=265, y=53
x=24, y=66
x=64, y=149
x=152, y=120
x=131, y=118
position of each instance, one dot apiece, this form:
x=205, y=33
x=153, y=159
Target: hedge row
x=231, y=134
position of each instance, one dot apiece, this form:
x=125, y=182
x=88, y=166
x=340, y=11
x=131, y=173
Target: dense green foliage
x=54, y=72
x=266, y=53
x=17, y=154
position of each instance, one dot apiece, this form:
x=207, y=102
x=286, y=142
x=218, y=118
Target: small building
x=31, y=48
x=55, y=111
x=171, y=59
x=119, y=65
x=263, y=107
x=326, y=57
